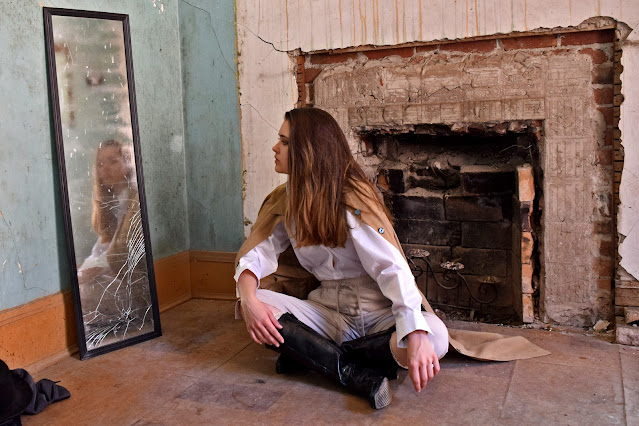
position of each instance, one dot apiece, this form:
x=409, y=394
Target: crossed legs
x=322, y=321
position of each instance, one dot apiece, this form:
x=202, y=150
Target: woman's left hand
x=423, y=363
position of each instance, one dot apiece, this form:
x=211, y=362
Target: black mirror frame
x=62, y=174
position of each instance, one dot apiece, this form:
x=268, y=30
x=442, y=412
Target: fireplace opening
x=466, y=203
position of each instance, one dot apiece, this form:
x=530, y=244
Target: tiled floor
x=206, y=370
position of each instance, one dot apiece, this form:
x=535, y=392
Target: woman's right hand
x=260, y=322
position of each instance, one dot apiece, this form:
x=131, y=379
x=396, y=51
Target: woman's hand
x=260, y=321
x=423, y=363
x=85, y=276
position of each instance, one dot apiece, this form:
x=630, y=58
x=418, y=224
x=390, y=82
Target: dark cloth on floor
x=20, y=394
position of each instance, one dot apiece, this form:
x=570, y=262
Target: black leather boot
x=307, y=348
x=287, y=365
x=373, y=351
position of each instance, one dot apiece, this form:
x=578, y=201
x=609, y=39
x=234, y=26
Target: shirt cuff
x=408, y=322
x=241, y=268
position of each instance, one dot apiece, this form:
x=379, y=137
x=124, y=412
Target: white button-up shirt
x=365, y=252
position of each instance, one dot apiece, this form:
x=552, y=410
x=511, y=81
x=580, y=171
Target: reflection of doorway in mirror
x=65, y=76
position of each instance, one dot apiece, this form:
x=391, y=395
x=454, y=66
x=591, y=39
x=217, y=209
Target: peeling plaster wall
x=267, y=80
x=267, y=91
x=211, y=125
x=33, y=255
x=628, y=192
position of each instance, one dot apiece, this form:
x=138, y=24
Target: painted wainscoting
x=42, y=332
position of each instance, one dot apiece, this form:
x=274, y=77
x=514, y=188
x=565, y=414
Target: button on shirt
x=365, y=252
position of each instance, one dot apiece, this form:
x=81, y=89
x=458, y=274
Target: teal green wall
x=211, y=124
x=186, y=90
x=33, y=259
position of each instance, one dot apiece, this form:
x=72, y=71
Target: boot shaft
x=372, y=351
x=306, y=347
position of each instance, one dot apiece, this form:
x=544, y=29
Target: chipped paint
x=161, y=5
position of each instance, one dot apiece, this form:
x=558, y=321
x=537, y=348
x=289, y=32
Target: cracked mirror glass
x=114, y=286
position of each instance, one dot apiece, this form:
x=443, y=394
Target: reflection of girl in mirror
x=114, y=194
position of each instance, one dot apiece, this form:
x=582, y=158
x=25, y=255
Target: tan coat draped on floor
x=291, y=278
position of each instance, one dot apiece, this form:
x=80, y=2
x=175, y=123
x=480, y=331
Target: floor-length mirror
x=95, y=123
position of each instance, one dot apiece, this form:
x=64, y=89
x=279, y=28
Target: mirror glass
x=96, y=126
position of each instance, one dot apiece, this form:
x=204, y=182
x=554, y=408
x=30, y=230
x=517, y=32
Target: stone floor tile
x=452, y=396
x=542, y=393
x=630, y=377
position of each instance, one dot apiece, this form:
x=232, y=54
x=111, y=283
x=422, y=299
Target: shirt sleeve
x=388, y=267
x=262, y=259
x=98, y=257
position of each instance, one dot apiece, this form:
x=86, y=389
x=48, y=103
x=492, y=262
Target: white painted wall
x=628, y=219
x=267, y=82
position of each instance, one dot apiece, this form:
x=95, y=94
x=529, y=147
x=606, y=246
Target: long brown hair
x=321, y=169
x=103, y=218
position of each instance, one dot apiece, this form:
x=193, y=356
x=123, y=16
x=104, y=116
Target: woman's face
x=281, y=149
x=111, y=169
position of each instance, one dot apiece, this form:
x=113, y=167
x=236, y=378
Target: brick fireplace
x=465, y=194
x=496, y=153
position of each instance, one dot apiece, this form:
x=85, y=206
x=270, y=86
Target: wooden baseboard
x=173, y=280
x=212, y=275
x=43, y=363
x=37, y=330
x=175, y=302
x=42, y=332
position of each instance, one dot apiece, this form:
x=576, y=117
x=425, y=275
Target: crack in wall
x=191, y=197
x=261, y=39
x=217, y=40
x=234, y=23
x=258, y=113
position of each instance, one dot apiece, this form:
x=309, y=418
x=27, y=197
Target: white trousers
x=343, y=310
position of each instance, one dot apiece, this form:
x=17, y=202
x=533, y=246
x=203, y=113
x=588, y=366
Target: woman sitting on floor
x=365, y=319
